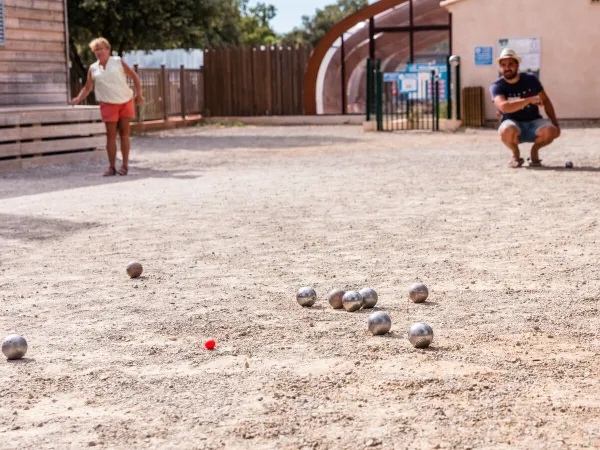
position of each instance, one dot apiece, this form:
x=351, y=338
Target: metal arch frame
x=338, y=30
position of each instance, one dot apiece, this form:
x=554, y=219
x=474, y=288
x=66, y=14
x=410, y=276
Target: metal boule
x=352, y=301
x=420, y=335
x=335, y=298
x=306, y=297
x=418, y=292
x=134, y=269
x=369, y=297
x=379, y=323
x=14, y=346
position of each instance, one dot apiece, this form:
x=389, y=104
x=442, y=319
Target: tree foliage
x=154, y=24
x=314, y=28
x=256, y=29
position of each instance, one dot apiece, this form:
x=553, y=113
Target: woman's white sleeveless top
x=110, y=82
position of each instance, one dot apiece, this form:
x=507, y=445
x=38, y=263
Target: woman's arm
x=85, y=91
x=139, y=96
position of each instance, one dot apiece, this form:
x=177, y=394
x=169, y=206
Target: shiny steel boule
x=379, y=323
x=369, y=297
x=569, y=164
x=352, y=301
x=14, y=346
x=134, y=269
x=418, y=292
x=420, y=335
x=306, y=297
x=335, y=298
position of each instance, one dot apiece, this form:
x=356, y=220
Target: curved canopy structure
x=394, y=31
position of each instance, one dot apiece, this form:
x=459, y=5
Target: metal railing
x=397, y=110
x=167, y=92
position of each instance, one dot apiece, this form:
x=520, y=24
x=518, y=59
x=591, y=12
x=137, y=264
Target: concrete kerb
x=288, y=120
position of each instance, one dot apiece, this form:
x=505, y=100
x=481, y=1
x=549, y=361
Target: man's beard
x=509, y=75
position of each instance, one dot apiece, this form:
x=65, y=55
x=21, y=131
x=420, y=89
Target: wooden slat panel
x=31, y=56
x=294, y=80
x=15, y=67
x=285, y=81
x=2, y=28
x=32, y=88
x=34, y=14
x=229, y=86
x=64, y=114
x=233, y=70
x=277, y=84
x=29, y=24
x=80, y=129
x=57, y=145
x=52, y=5
x=54, y=47
x=249, y=83
x=244, y=81
x=258, y=81
x=267, y=86
x=60, y=145
x=31, y=35
x=13, y=149
x=32, y=99
x=207, y=66
x=56, y=77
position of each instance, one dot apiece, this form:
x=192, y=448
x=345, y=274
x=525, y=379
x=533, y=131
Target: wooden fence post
x=163, y=74
x=182, y=89
x=136, y=69
x=201, y=92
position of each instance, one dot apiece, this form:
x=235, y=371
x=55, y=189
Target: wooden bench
x=32, y=136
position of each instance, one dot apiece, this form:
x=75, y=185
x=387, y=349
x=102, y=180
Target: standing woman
x=108, y=78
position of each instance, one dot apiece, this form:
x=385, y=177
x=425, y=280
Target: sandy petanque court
x=229, y=222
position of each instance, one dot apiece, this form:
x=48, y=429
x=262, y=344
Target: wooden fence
x=235, y=81
x=167, y=92
x=246, y=81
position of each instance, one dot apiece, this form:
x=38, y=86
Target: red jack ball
x=210, y=344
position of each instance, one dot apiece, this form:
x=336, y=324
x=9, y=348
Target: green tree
x=151, y=24
x=314, y=28
x=256, y=29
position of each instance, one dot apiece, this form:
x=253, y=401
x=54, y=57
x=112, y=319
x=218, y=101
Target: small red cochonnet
x=210, y=344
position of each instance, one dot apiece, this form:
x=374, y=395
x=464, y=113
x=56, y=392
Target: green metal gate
x=395, y=110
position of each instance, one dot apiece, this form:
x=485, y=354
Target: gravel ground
x=229, y=223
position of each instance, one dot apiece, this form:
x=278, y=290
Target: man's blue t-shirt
x=527, y=86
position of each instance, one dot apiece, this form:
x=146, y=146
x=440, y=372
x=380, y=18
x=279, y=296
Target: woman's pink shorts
x=112, y=112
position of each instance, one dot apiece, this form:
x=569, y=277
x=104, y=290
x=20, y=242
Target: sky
x=290, y=12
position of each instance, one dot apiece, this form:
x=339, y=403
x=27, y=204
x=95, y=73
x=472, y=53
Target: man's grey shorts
x=527, y=129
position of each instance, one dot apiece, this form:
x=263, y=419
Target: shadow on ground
x=205, y=142
x=32, y=228
x=74, y=176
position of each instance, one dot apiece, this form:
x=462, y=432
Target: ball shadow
x=392, y=335
x=427, y=304
x=140, y=278
x=21, y=361
x=428, y=349
x=318, y=307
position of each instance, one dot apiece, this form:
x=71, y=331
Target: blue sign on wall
x=484, y=56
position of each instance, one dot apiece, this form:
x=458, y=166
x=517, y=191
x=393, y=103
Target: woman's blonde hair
x=99, y=41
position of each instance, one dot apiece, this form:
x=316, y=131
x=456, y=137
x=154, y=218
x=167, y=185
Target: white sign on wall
x=529, y=49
